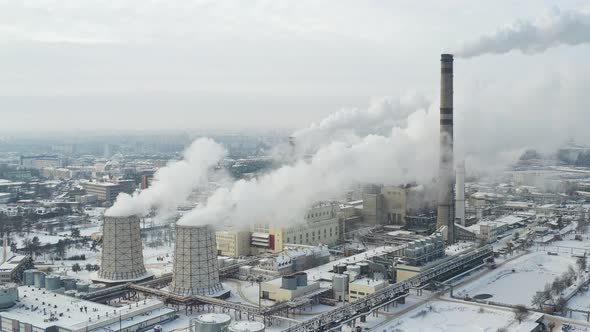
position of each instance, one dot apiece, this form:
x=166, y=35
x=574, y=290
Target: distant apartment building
x=41, y=161
x=108, y=191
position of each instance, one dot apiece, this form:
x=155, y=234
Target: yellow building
x=233, y=243
x=362, y=287
x=322, y=225
x=288, y=288
x=404, y=272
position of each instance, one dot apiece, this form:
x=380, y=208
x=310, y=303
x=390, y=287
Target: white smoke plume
x=282, y=196
x=549, y=30
x=174, y=183
x=351, y=125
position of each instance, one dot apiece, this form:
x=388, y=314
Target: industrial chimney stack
x=446, y=205
x=460, y=194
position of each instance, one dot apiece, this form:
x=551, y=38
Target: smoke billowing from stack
x=122, y=250
x=446, y=214
x=196, y=270
x=533, y=36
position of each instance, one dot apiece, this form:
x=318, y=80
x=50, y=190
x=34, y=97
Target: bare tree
x=521, y=312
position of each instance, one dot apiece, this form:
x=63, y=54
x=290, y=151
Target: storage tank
x=340, y=282
x=210, y=323
x=96, y=287
x=8, y=295
x=69, y=283
x=301, y=278
x=364, y=268
x=246, y=326
x=354, y=268
x=29, y=276
x=82, y=286
x=351, y=275
x=71, y=293
x=339, y=268
x=289, y=282
x=39, y=279
x=52, y=282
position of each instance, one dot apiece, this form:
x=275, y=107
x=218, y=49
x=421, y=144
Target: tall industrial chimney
x=460, y=194
x=446, y=206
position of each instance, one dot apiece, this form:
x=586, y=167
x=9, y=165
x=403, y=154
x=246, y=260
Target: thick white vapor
x=549, y=30
x=174, y=183
x=281, y=197
x=351, y=125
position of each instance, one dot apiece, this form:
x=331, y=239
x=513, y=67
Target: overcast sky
x=149, y=65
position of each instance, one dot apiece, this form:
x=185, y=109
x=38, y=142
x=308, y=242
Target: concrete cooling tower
x=196, y=270
x=122, y=251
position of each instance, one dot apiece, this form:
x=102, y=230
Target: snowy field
x=518, y=280
x=440, y=316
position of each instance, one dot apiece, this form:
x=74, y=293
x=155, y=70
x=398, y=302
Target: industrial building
x=288, y=288
x=322, y=225
x=122, y=251
x=233, y=243
x=40, y=310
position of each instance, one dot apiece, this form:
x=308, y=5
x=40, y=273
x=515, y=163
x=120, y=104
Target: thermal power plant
x=446, y=178
x=460, y=194
x=122, y=251
x=196, y=269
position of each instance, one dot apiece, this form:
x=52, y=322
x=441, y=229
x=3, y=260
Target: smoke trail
x=351, y=125
x=282, y=196
x=174, y=183
x=549, y=30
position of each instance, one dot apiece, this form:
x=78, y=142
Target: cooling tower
x=446, y=206
x=196, y=269
x=122, y=251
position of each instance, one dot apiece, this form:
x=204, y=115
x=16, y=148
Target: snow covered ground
x=441, y=316
x=518, y=280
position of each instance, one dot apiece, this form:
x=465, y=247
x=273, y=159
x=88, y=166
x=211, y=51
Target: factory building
x=9, y=270
x=38, y=310
x=233, y=243
x=291, y=260
x=387, y=205
x=322, y=225
x=359, y=288
x=288, y=287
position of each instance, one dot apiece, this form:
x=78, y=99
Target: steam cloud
x=549, y=30
x=351, y=125
x=405, y=154
x=174, y=183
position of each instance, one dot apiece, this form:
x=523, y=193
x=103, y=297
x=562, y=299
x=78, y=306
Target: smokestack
x=460, y=194
x=446, y=213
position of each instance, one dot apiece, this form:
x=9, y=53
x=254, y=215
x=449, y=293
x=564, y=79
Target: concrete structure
x=460, y=194
x=233, y=243
x=446, y=206
x=122, y=251
x=196, y=269
x=362, y=287
x=210, y=322
x=56, y=312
